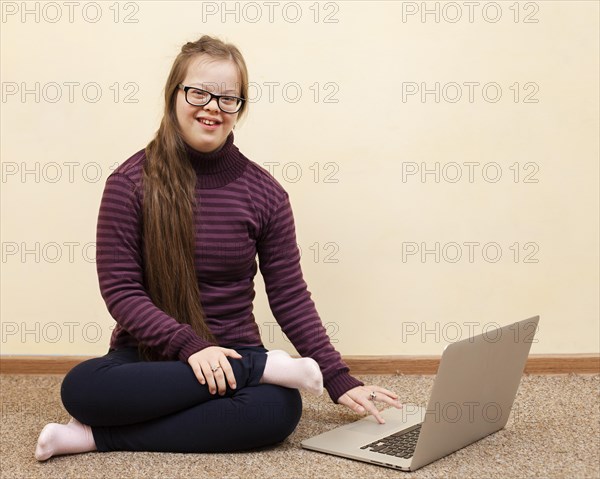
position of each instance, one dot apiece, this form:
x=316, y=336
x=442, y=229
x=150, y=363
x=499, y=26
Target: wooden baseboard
x=411, y=365
x=39, y=364
x=536, y=364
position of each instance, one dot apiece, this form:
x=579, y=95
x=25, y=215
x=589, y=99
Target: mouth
x=208, y=122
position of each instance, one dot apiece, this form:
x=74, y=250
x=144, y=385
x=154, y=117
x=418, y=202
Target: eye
x=229, y=100
x=198, y=94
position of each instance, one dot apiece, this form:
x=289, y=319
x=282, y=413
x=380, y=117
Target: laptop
x=472, y=396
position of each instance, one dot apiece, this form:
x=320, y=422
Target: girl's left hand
x=360, y=400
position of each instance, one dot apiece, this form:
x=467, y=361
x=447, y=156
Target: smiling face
x=206, y=128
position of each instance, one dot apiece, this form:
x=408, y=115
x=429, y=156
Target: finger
x=388, y=397
x=220, y=379
x=378, y=389
x=232, y=353
x=228, y=371
x=351, y=403
x=372, y=409
x=197, y=371
x=210, y=378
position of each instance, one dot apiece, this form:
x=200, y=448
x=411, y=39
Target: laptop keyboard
x=400, y=444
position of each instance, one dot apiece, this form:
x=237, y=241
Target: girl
x=179, y=229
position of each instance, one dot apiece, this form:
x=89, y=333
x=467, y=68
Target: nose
x=212, y=105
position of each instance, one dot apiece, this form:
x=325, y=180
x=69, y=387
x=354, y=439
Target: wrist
x=340, y=384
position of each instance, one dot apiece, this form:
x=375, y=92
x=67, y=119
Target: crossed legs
x=121, y=403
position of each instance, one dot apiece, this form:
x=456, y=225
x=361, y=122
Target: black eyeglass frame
x=211, y=96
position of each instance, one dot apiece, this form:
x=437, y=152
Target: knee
x=285, y=411
x=75, y=390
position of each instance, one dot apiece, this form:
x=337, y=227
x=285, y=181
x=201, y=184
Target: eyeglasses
x=198, y=97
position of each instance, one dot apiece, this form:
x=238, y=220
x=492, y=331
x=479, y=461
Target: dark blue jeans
x=137, y=405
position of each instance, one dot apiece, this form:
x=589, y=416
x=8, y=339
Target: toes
x=43, y=450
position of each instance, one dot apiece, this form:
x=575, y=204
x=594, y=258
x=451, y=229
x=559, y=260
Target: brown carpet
x=553, y=431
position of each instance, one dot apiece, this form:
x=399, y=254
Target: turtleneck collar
x=218, y=168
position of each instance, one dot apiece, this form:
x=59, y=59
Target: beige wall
x=353, y=151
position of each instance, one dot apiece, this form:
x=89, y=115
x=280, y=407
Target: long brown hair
x=169, y=200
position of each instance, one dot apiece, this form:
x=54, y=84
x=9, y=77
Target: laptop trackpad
x=373, y=428
x=395, y=420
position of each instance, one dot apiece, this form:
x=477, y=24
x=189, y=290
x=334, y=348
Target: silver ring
x=372, y=396
x=213, y=369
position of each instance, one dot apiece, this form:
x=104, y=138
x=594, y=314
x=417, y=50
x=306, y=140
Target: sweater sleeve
x=291, y=303
x=119, y=263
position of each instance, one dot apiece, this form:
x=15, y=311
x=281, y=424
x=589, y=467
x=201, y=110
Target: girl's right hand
x=205, y=361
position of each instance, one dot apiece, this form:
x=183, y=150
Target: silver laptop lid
x=474, y=389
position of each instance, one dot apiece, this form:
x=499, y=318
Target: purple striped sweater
x=242, y=212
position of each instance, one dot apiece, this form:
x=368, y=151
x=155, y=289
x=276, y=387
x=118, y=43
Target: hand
x=358, y=399
x=203, y=362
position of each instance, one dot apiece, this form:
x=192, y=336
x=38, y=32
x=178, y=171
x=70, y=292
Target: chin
x=205, y=146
